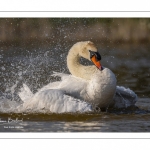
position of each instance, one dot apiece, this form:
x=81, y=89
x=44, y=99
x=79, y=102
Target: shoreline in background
x=57, y=30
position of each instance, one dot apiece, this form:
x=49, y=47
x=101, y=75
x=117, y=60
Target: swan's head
x=89, y=51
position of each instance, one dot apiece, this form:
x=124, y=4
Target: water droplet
x=3, y=68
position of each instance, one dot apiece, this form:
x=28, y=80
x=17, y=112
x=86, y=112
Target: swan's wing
x=70, y=84
x=54, y=101
x=124, y=97
x=53, y=85
x=59, y=97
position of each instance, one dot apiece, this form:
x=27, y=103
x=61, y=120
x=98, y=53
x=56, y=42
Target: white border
x=78, y=135
x=94, y=144
x=72, y=14
x=74, y=5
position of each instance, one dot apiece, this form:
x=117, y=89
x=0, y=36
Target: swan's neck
x=76, y=68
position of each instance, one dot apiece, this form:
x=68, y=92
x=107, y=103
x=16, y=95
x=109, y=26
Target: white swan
x=88, y=86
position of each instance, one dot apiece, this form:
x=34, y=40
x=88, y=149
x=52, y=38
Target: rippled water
x=33, y=66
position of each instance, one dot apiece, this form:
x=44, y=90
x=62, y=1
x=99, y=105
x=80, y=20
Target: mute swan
x=85, y=88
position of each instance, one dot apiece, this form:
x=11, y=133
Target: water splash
x=33, y=68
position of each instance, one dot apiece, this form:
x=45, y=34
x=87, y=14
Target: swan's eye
x=98, y=56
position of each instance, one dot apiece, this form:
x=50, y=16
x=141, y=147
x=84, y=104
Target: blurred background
x=27, y=30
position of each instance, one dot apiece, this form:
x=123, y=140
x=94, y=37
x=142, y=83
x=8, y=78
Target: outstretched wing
x=124, y=97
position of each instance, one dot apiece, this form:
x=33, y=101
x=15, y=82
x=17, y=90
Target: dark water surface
x=33, y=66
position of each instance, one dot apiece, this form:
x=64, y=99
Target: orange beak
x=96, y=62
